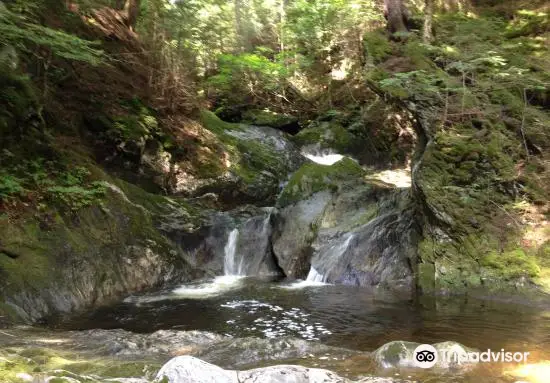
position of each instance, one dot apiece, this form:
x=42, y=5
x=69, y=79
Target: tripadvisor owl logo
x=425, y=356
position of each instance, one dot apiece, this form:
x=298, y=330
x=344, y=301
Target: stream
x=344, y=317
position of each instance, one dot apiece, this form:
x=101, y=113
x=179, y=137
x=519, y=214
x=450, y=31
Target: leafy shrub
x=9, y=186
x=76, y=197
x=248, y=75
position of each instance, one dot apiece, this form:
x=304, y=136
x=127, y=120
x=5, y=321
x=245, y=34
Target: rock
x=283, y=122
x=243, y=352
x=89, y=258
x=363, y=234
x=187, y=369
x=379, y=252
x=206, y=249
x=258, y=158
x=289, y=374
x=294, y=232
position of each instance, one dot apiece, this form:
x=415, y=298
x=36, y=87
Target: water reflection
x=342, y=316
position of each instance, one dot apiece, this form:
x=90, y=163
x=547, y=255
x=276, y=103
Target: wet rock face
x=249, y=252
x=294, y=233
x=363, y=234
x=379, y=252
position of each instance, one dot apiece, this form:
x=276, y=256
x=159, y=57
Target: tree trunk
x=130, y=10
x=239, y=26
x=396, y=15
x=427, y=35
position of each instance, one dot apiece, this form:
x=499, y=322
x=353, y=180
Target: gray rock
x=244, y=352
x=290, y=374
x=187, y=369
x=295, y=231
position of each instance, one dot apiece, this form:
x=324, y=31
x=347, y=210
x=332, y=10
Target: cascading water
x=314, y=276
x=335, y=253
x=230, y=266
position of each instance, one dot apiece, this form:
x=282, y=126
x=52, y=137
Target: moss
x=257, y=157
x=311, y=178
x=377, y=46
x=511, y=264
x=308, y=136
x=267, y=118
x=64, y=367
x=328, y=134
x=214, y=124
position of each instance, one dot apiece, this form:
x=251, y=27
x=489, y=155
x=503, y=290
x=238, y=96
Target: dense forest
x=396, y=145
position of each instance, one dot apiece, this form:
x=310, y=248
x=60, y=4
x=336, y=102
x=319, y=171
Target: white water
x=230, y=266
x=210, y=288
x=324, y=159
x=314, y=276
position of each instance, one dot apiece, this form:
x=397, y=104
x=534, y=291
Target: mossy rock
x=64, y=261
x=312, y=177
x=259, y=117
x=328, y=135
x=256, y=163
x=511, y=264
x=62, y=366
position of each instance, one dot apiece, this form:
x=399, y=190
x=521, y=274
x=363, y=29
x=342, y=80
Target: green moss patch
x=261, y=117
x=311, y=178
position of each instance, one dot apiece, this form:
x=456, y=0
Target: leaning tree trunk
x=427, y=35
x=396, y=15
x=130, y=11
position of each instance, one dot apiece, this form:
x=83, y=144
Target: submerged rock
x=245, y=352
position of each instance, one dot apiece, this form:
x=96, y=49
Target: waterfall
x=230, y=250
x=314, y=276
x=335, y=253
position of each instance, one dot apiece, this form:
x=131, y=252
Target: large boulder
x=347, y=229
x=250, y=164
x=68, y=262
x=295, y=230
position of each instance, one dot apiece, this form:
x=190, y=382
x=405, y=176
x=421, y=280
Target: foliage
x=9, y=186
x=42, y=181
x=23, y=32
x=248, y=76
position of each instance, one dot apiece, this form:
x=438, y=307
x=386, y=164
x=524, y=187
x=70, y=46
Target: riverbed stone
x=244, y=352
x=187, y=369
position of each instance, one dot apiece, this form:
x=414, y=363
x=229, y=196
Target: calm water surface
x=343, y=316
